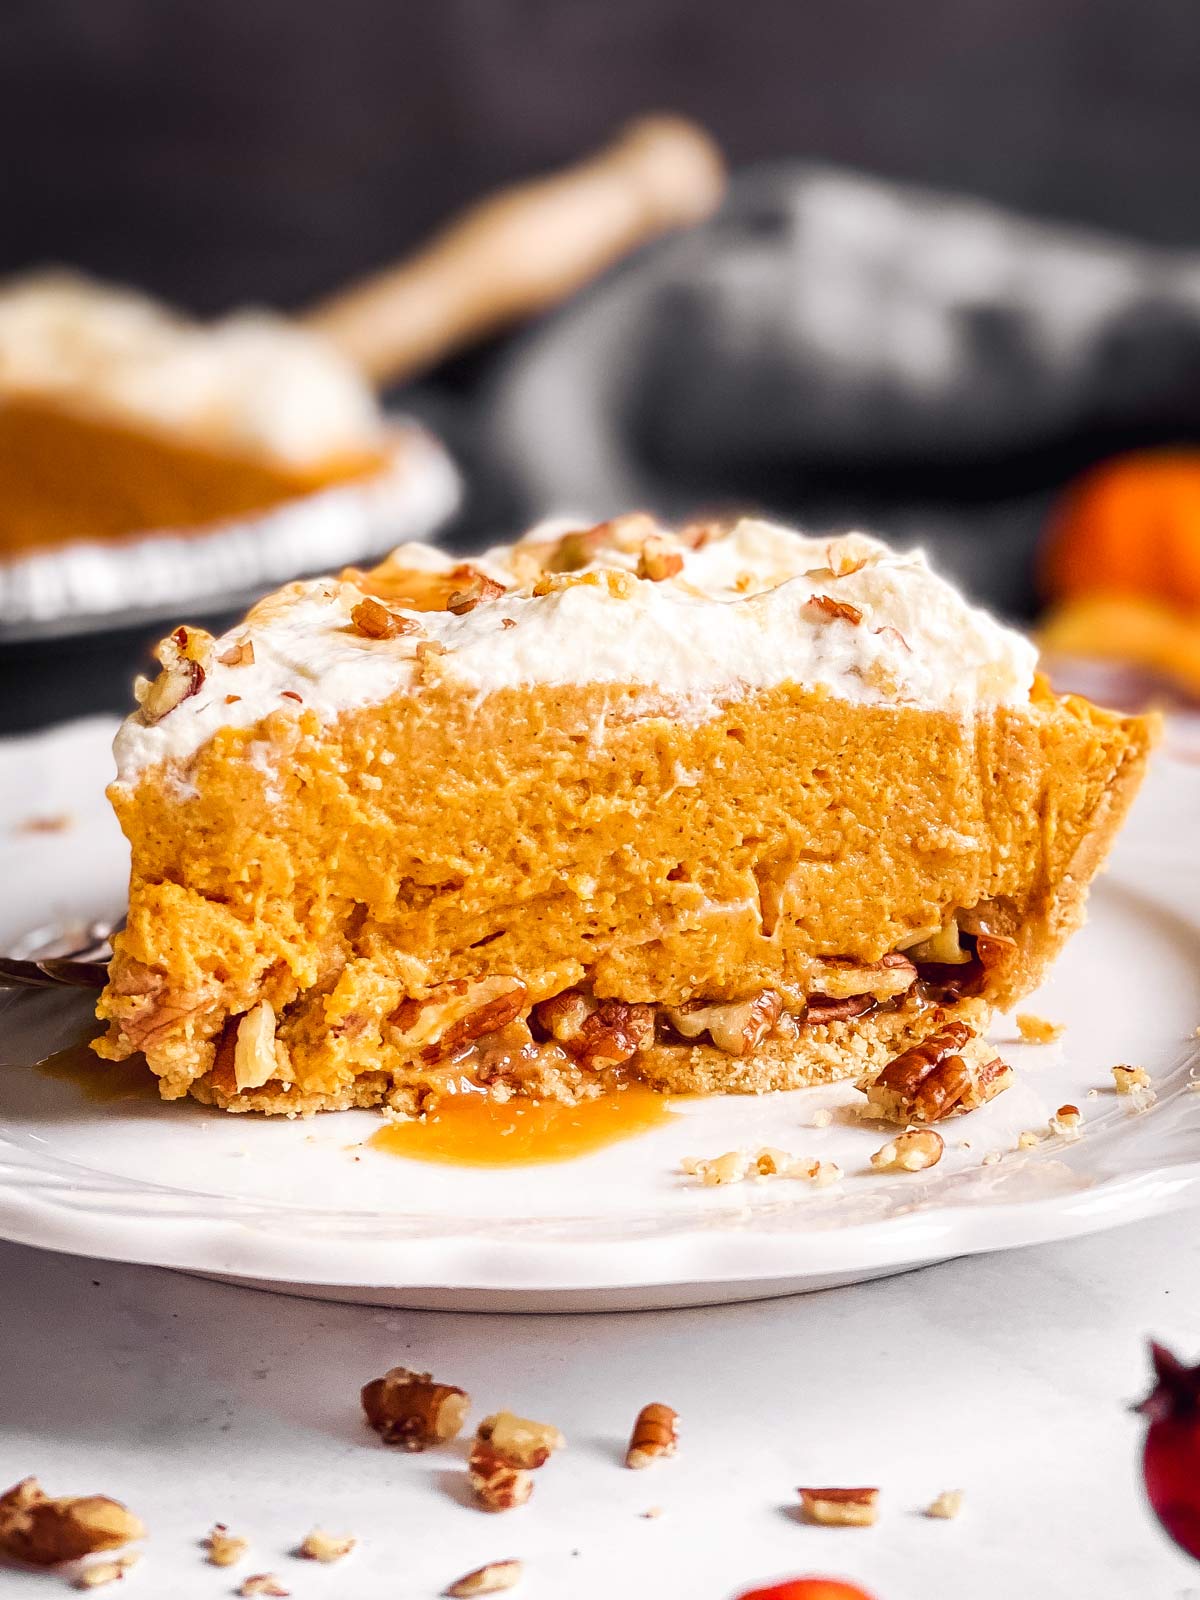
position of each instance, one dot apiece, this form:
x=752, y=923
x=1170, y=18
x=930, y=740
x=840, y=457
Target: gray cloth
x=839, y=350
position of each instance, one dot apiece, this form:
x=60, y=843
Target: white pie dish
x=288, y=1205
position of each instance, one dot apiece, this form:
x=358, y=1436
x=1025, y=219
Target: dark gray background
x=219, y=152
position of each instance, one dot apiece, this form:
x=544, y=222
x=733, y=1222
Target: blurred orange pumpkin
x=1129, y=526
x=809, y=1589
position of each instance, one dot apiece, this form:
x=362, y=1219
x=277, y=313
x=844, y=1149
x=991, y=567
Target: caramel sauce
x=100, y=1081
x=471, y=1130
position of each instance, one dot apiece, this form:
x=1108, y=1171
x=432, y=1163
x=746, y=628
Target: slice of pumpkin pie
x=727, y=809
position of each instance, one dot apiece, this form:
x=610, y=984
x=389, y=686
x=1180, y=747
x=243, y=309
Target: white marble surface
x=1008, y=1376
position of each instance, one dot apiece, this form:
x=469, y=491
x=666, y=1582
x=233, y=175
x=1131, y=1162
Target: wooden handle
x=525, y=249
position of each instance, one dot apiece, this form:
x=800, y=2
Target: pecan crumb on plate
x=840, y=1508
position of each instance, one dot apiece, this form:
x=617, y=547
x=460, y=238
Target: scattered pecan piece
x=1066, y=1122
x=223, y=1548
x=735, y=1166
x=43, y=1531
x=843, y=1508
x=1037, y=1030
x=375, y=621
x=947, y=1505
x=1131, y=1080
x=321, y=1546
x=519, y=1441
x=655, y=1436
x=53, y=824
x=911, y=1151
x=931, y=1080
x=498, y=1485
x=831, y=610
x=489, y=1579
x=410, y=1410
x=263, y=1583
x=736, y=1026
x=101, y=1573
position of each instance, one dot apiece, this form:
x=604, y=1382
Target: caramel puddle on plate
x=470, y=1130
x=100, y=1081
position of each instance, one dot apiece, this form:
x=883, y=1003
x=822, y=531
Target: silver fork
x=73, y=955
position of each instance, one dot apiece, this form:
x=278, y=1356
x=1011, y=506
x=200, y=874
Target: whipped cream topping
x=746, y=611
x=250, y=382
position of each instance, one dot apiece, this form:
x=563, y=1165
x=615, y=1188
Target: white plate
x=301, y=1205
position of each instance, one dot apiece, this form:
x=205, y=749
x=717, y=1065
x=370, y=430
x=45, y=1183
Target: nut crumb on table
x=263, y=1583
x=946, y=1505
x=1129, y=1080
x=488, y=1579
x=410, y=1410
x=914, y=1150
x=506, y=1452
x=1066, y=1122
x=105, y=1572
x=224, y=1548
x=840, y=1508
x=736, y=1166
x=655, y=1436
x=45, y=1531
x=321, y=1546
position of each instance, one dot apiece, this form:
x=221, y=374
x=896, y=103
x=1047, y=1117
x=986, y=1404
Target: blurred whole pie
x=117, y=415
x=150, y=462
x=725, y=809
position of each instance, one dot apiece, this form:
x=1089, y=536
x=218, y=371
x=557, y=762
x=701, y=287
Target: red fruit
x=808, y=1589
x=1171, y=1460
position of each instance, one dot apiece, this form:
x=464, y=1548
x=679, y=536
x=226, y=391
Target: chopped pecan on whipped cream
x=831, y=610
x=659, y=560
x=476, y=587
x=374, y=621
x=185, y=656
